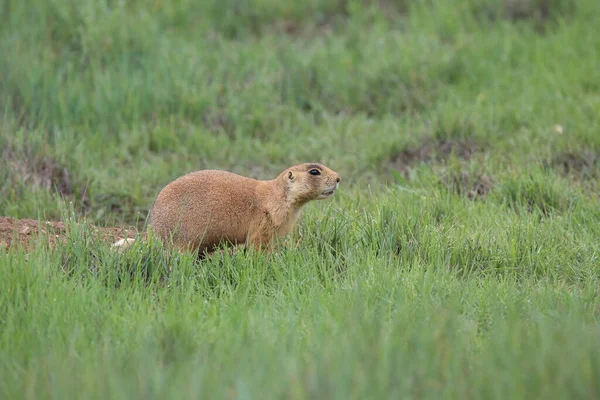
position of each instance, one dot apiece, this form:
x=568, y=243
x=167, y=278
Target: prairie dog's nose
x=338, y=179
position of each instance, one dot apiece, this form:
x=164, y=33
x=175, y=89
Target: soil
x=540, y=12
x=41, y=171
x=474, y=187
x=25, y=232
x=432, y=150
x=583, y=165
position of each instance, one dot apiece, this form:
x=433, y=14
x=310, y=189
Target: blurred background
x=104, y=102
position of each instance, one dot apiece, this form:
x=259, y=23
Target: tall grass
x=460, y=258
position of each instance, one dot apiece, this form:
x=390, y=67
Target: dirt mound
x=582, y=165
x=24, y=232
x=432, y=150
x=473, y=186
x=542, y=13
x=44, y=172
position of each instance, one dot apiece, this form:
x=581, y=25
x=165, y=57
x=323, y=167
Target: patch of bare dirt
x=472, y=186
x=329, y=18
x=433, y=150
x=43, y=172
x=582, y=165
x=540, y=12
x=216, y=120
x=24, y=232
x=295, y=27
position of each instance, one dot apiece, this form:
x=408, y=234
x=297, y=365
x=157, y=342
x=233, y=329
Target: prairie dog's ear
x=290, y=175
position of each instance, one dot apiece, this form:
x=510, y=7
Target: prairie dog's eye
x=314, y=172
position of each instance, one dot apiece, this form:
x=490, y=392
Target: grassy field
x=459, y=260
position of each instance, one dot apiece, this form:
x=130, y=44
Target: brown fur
x=204, y=209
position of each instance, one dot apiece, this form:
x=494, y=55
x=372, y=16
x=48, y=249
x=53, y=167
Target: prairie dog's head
x=310, y=181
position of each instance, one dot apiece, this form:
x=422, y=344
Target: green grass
x=460, y=259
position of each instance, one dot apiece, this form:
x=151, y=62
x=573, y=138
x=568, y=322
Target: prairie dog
x=202, y=209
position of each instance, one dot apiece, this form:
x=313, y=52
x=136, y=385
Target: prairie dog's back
x=214, y=201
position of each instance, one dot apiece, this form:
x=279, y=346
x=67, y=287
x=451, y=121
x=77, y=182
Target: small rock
x=123, y=242
x=25, y=230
